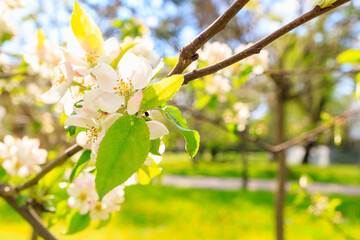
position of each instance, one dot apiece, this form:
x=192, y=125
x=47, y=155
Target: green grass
x=162, y=213
x=229, y=165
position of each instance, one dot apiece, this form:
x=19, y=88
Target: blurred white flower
x=215, y=52
x=218, y=85
x=22, y=157
x=83, y=195
x=238, y=116
x=258, y=62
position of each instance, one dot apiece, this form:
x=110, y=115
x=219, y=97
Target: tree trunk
x=280, y=157
x=308, y=148
x=244, y=162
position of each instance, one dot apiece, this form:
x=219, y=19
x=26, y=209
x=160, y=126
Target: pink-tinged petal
x=106, y=77
x=74, y=57
x=68, y=71
x=157, y=129
x=112, y=48
x=109, y=102
x=82, y=72
x=84, y=208
x=89, y=99
x=134, y=103
x=80, y=121
x=83, y=140
x=138, y=70
x=109, y=121
x=84, y=111
x=55, y=93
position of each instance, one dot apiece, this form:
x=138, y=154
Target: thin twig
x=258, y=46
x=313, y=133
x=47, y=168
x=28, y=214
x=188, y=53
x=309, y=71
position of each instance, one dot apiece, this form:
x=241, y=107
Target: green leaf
x=72, y=132
x=161, y=92
x=192, y=137
x=3, y=172
x=349, y=56
x=85, y=156
x=124, y=49
x=86, y=31
x=326, y=3
x=121, y=153
x=77, y=222
x=148, y=172
x=202, y=101
x=154, y=146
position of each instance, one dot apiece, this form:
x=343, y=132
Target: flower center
x=82, y=197
x=92, y=134
x=91, y=58
x=99, y=207
x=123, y=87
x=59, y=78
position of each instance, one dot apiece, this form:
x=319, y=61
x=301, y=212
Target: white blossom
x=22, y=157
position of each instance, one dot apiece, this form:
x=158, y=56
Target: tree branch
x=28, y=214
x=313, y=133
x=309, y=71
x=258, y=46
x=188, y=53
x=47, y=168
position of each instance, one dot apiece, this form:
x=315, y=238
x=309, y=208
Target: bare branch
x=28, y=214
x=188, y=53
x=313, y=133
x=258, y=46
x=309, y=71
x=47, y=168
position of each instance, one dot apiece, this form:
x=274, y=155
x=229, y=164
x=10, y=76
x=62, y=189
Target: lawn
x=162, y=213
x=229, y=165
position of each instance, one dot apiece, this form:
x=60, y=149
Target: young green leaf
x=77, y=222
x=349, y=56
x=154, y=146
x=161, y=92
x=148, y=172
x=192, y=137
x=85, y=156
x=86, y=31
x=121, y=153
x=124, y=49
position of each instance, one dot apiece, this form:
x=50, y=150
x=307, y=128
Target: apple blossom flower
x=86, y=59
x=61, y=82
x=82, y=193
x=240, y=117
x=96, y=122
x=22, y=157
x=215, y=52
x=258, y=62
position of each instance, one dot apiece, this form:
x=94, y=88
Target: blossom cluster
x=239, y=115
x=21, y=157
x=83, y=196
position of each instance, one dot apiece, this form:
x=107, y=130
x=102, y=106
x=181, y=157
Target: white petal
x=80, y=121
x=104, y=59
x=83, y=140
x=109, y=121
x=82, y=72
x=106, y=77
x=157, y=69
x=109, y=102
x=112, y=48
x=89, y=99
x=157, y=129
x=134, y=103
x=55, y=93
x=74, y=57
x=138, y=70
x=84, y=111
x=68, y=71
